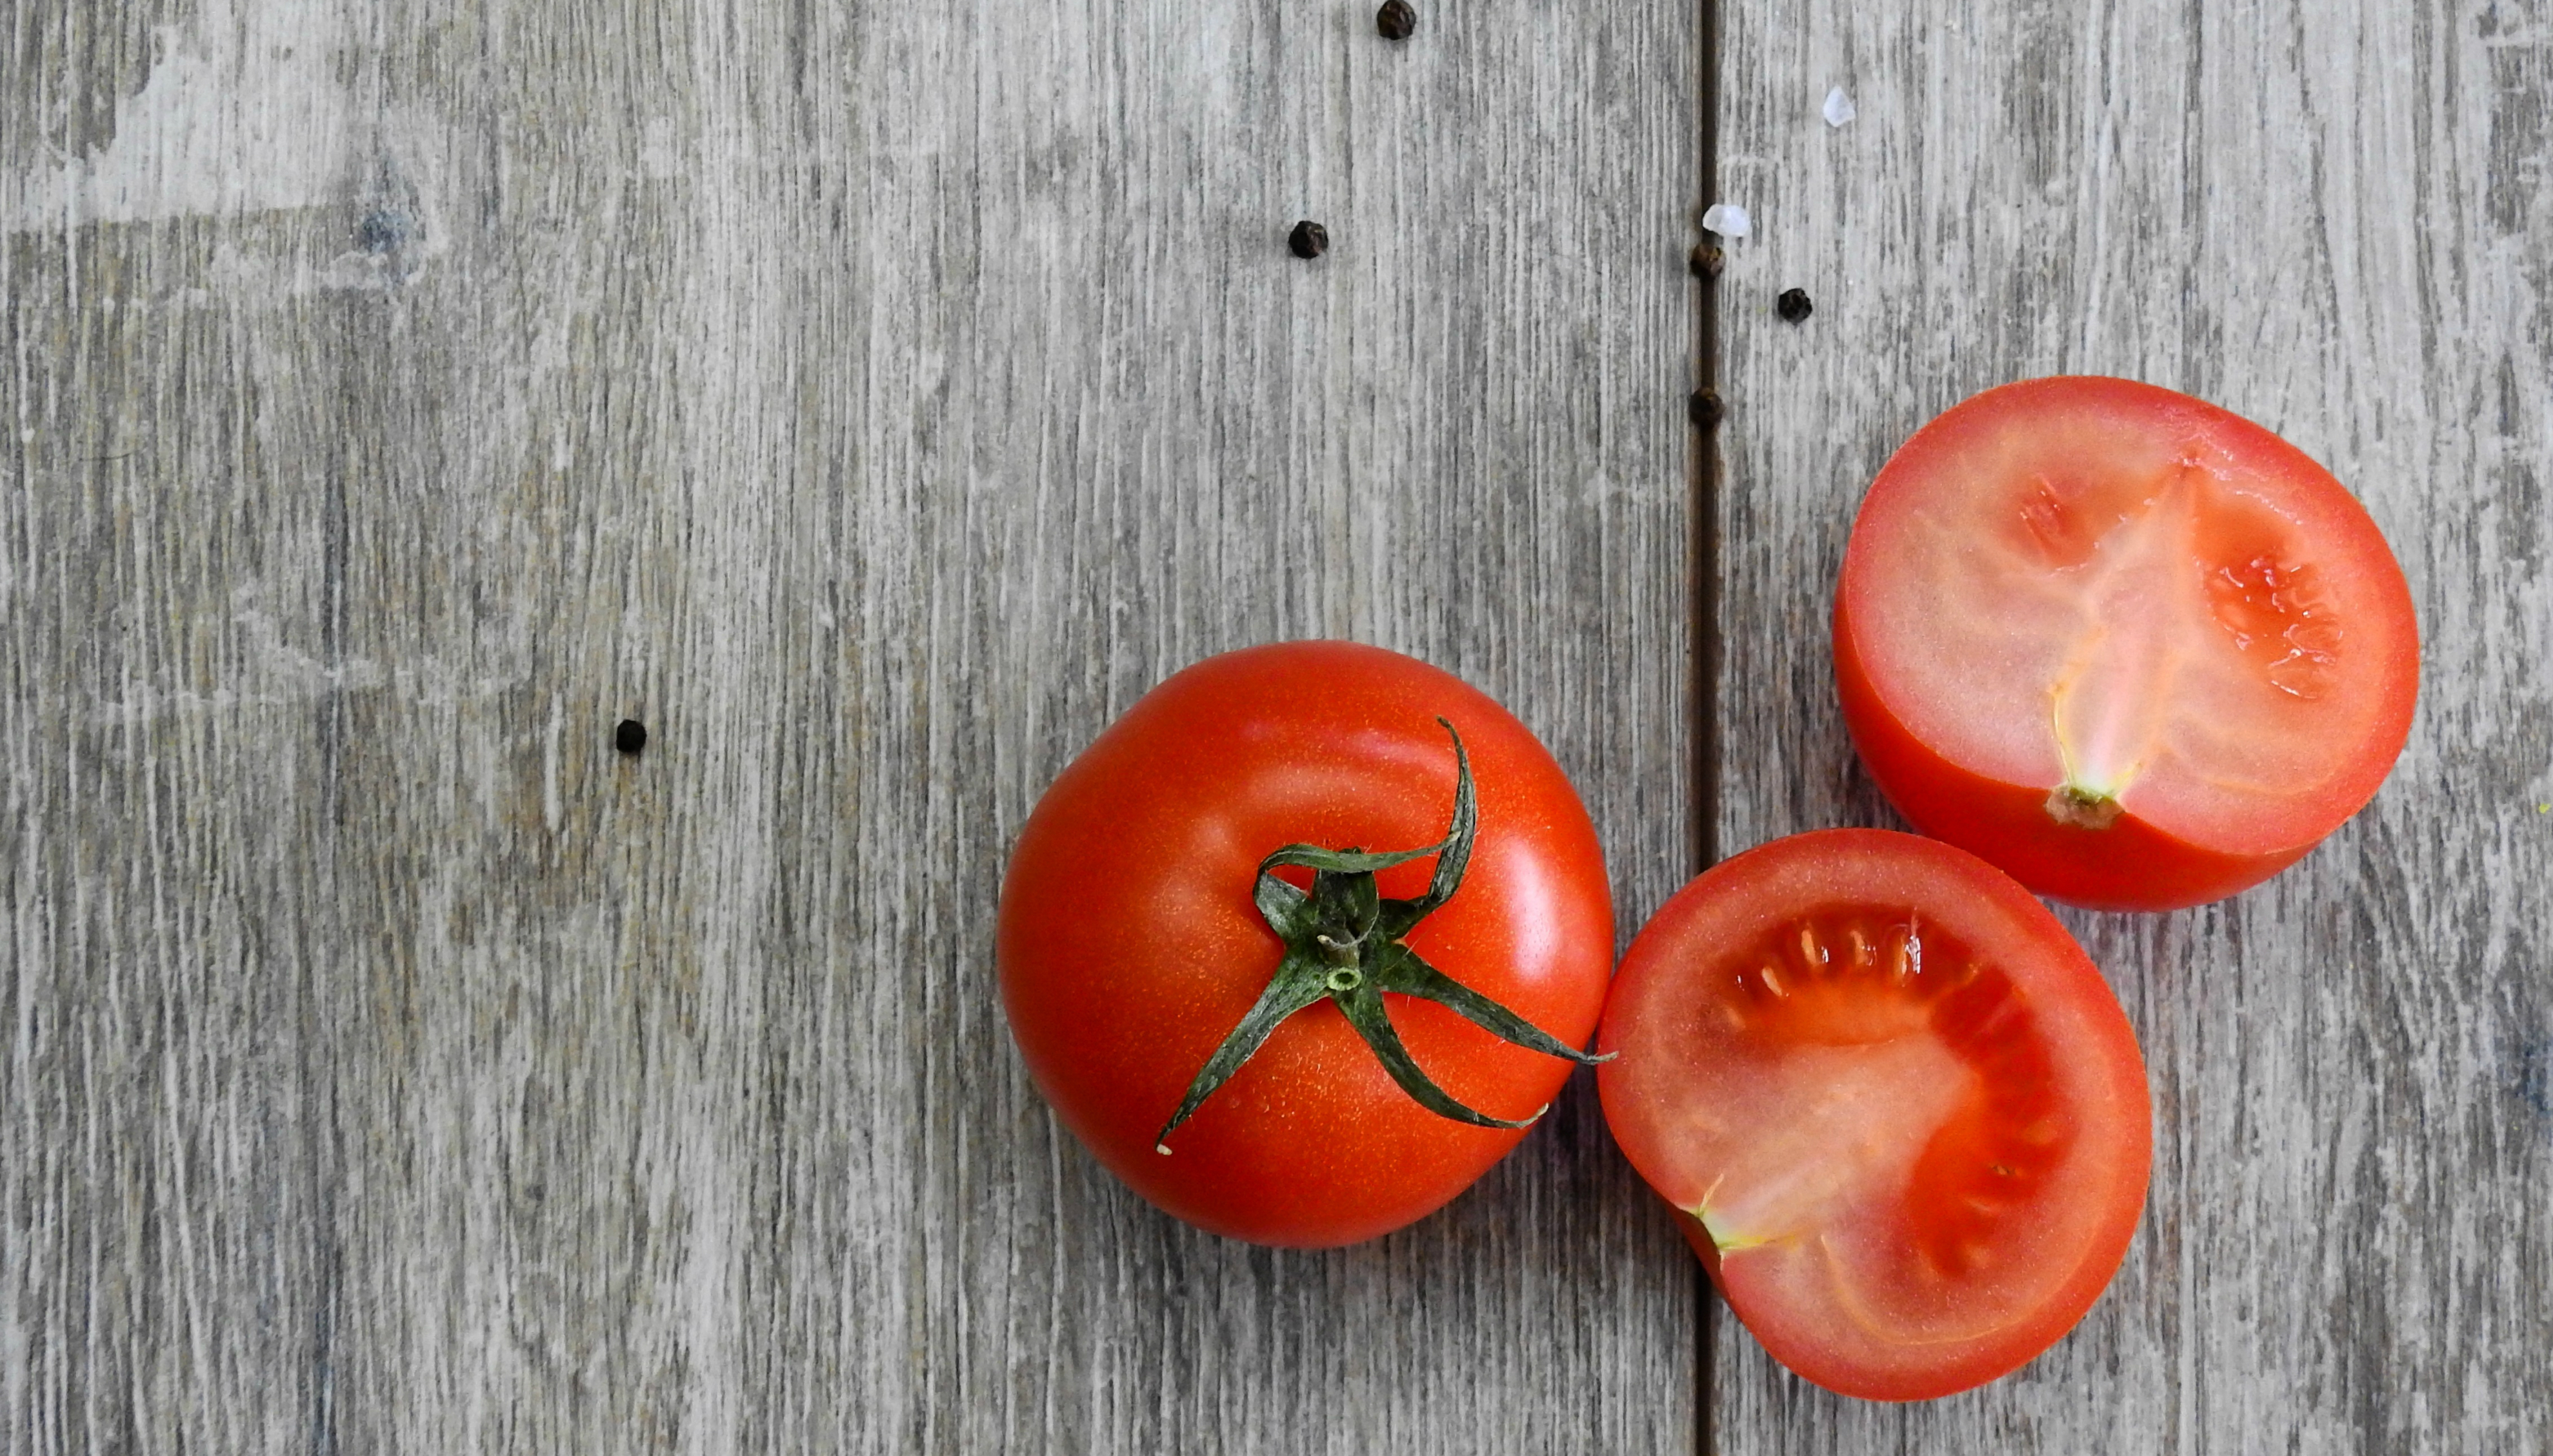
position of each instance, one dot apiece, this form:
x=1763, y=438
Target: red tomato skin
x=2129, y=865
x=1813, y=1352
x=1129, y=945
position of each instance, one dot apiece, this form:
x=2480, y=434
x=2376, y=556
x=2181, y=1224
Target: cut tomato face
x=1902, y=1116
x=2137, y=651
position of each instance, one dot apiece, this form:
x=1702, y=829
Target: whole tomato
x=1447, y=936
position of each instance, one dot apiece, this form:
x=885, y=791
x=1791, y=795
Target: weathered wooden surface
x=872, y=398
x=2332, y=216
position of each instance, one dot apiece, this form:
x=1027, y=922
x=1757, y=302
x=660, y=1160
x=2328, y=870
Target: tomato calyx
x=1343, y=942
x=2083, y=808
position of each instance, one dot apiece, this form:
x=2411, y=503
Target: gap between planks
x=1703, y=695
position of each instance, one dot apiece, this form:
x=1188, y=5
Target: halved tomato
x=2136, y=650
x=1903, y=1116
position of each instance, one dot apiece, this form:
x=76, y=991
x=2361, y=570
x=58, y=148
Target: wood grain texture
x=2333, y=218
x=873, y=400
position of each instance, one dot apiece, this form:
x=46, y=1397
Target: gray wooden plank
x=2330, y=217
x=873, y=400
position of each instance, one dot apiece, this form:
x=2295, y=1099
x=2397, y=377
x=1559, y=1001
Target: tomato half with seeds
x=2136, y=650
x=1249, y=1011
x=1901, y=1115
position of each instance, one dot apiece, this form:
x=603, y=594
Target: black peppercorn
x=1793, y=305
x=1308, y=240
x=1396, y=20
x=1707, y=261
x=630, y=737
x=1706, y=408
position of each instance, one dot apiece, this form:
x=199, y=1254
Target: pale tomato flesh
x=2116, y=602
x=1903, y=1116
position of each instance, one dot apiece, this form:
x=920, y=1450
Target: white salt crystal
x=1726, y=219
x=1838, y=108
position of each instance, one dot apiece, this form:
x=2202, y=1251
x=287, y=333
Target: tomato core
x=2153, y=562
